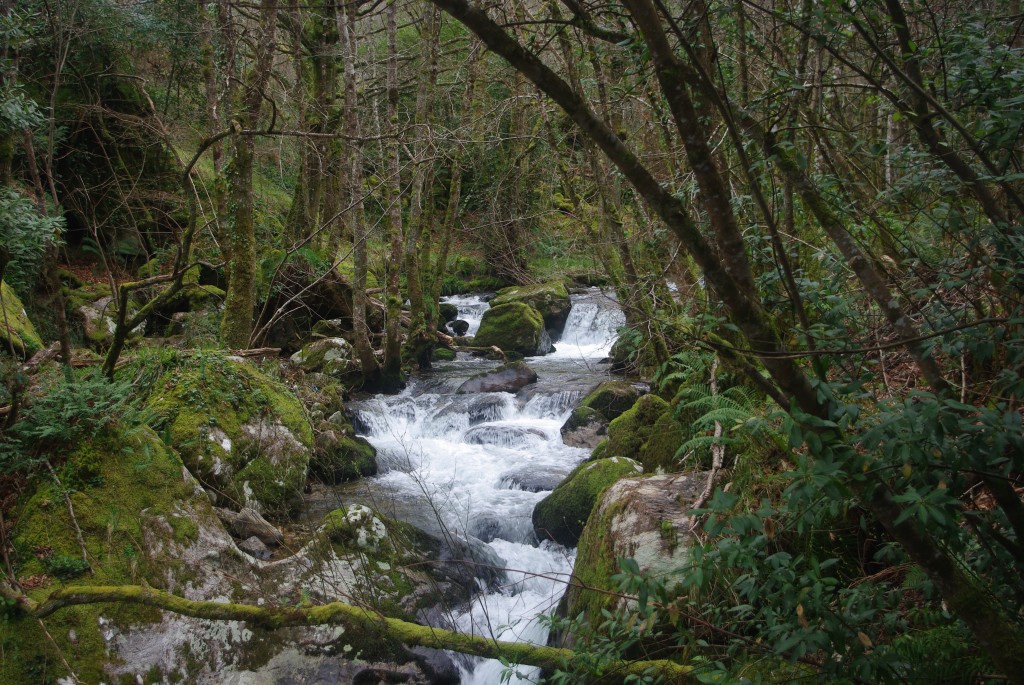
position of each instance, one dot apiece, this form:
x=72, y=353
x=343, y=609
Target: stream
x=474, y=466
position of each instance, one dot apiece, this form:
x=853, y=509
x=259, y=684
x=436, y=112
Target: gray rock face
x=248, y=523
x=511, y=377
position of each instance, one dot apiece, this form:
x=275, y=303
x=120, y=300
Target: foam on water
x=478, y=464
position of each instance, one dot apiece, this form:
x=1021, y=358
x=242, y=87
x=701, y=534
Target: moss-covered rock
x=585, y=427
x=339, y=455
x=612, y=398
x=16, y=330
x=136, y=507
x=442, y=354
x=646, y=519
x=659, y=452
x=512, y=327
x=332, y=356
x=561, y=515
x=241, y=434
x=449, y=312
x=628, y=434
x=551, y=299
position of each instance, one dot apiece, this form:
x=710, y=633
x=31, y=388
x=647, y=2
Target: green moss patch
x=240, y=433
x=134, y=481
x=630, y=433
x=15, y=328
x=512, y=327
x=612, y=398
x=561, y=515
x=551, y=299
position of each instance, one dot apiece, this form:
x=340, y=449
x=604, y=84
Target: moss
x=629, y=432
x=232, y=425
x=341, y=456
x=513, y=327
x=551, y=299
x=139, y=478
x=449, y=312
x=442, y=354
x=612, y=398
x=86, y=294
x=595, y=565
x=659, y=452
x=15, y=328
x=562, y=515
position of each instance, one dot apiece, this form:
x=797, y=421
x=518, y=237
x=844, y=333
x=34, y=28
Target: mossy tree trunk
x=236, y=321
x=728, y=272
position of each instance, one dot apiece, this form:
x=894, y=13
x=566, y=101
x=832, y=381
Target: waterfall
x=476, y=466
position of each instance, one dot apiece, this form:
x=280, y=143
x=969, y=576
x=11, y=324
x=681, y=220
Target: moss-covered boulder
x=448, y=311
x=332, y=356
x=648, y=432
x=646, y=519
x=241, y=434
x=98, y=320
x=513, y=327
x=550, y=299
x=138, y=509
x=339, y=455
x=612, y=398
x=585, y=427
x=561, y=515
x=659, y=452
x=442, y=354
x=16, y=330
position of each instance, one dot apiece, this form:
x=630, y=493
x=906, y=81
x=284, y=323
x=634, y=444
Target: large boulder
x=550, y=299
x=561, y=515
x=513, y=327
x=511, y=377
x=339, y=455
x=241, y=434
x=646, y=519
x=638, y=428
x=612, y=398
x=16, y=330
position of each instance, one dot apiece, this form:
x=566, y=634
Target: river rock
x=646, y=519
x=449, y=312
x=648, y=432
x=339, y=455
x=585, y=427
x=511, y=377
x=504, y=436
x=612, y=398
x=460, y=327
x=561, y=515
x=513, y=327
x=534, y=479
x=550, y=299
x=249, y=523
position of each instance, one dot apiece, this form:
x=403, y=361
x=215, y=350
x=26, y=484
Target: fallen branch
x=337, y=613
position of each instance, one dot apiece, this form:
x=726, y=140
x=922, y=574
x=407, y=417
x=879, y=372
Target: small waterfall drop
x=476, y=465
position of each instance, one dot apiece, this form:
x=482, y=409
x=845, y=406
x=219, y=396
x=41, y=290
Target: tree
x=820, y=417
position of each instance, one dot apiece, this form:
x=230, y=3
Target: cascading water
x=475, y=466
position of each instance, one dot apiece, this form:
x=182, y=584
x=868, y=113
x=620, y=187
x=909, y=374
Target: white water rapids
x=476, y=465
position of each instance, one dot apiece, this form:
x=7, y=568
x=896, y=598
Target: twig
x=71, y=513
